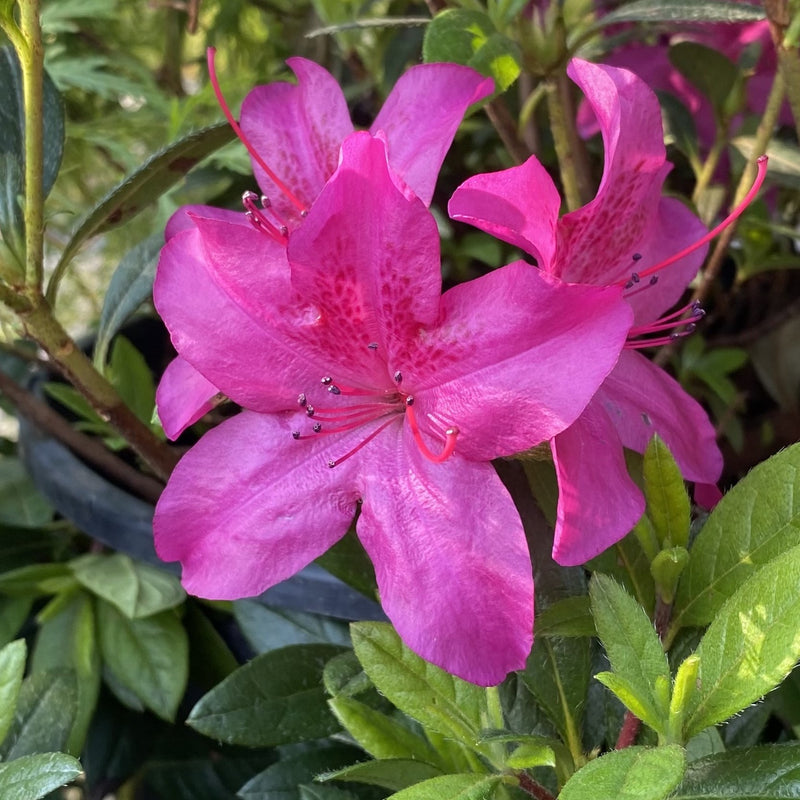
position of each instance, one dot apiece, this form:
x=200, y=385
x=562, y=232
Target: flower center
x=381, y=406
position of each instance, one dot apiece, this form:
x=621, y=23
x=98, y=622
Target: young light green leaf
x=148, y=656
x=635, y=773
x=751, y=646
x=754, y=522
x=34, y=776
x=392, y=774
x=283, y=686
x=379, y=735
x=667, y=498
x=46, y=708
x=528, y=755
x=452, y=787
x=137, y=590
x=159, y=174
x=13, y=613
x=632, y=645
x=768, y=772
x=430, y=695
x=12, y=668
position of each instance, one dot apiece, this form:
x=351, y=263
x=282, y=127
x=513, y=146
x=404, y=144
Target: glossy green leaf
x=159, y=174
x=426, y=693
x=34, y=776
x=768, y=772
x=632, y=645
x=679, y=127
x=130, y=285
x=452, y=787
x=751, y=646
x=754, y=522
x=271, y=628
x=13, y=613
x=667, y=498
x=715, y=75
x=148, y=656
x=21, y=503
x=344, y=675
x=469, y=37
x=380, y=735
x=276, y=698
x=313, y=791
x=12, y=668
x=682, y=11
x=635, y=773
x=784, y=159
x=137, y=590
x=282, y=781
x=132, y=378
x=67, y=640
x=571, y=616
x=36, y=579
x=349, y=562
x=392, y=774
x=46, y=709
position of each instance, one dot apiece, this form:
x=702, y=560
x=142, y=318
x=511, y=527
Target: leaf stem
x=531, y=787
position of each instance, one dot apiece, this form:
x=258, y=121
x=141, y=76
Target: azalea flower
x=293, y=133
x=363, y=387
x=626, y=236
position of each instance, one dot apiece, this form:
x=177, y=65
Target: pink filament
x=210, y=54
x=450, y=439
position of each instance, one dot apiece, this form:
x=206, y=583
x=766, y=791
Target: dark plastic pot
x=124, y=523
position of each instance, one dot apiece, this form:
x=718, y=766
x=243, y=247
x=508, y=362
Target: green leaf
x=470, y=38
x=380, y=735
x=715, y=75
x=21, y=503
x=271, y=628
x=528, y=755
x=768, y=772
x=282, y=781
x=159, y=174
x=751, y=646
x=34, y=776
x=635, y=773
x=452, y=787
x=132, y=378
x=754, y=522
x=344, y=675
x=682, y=11
x=36, y=579
x=130, y=285
x=46, y=709
x=784, y=159
x=147, y=656
x=137, y=590
x=67, y=640
x=393, y=774
x=430, y=695
x=13, y=613
x=283, y=686
x=12, y=668
x=632, y=645
x=679, y=127
x=571, y=616
x=667, y=499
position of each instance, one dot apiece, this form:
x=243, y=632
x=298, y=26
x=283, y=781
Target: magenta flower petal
x=420, y=118
x=297, y=131
x=183, y=218
x=451, y=560
x=533, y=374
x=642, y=399
x=594, y=238
x=597, y=500
x=519, y=205
x=182, y=397
x=270, y=508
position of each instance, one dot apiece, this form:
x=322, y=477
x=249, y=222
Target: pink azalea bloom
x=294, y=133
x=628, y=227
x=363, y=387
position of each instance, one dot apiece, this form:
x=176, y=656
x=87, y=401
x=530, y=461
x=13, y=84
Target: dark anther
x=654, y=280
x=373, y=345
x=410, y=400
x=304, y=213
x=398, y=377
x=295, y=434
x=331, y=464
x=629, y=285
x=317, y=427
x=310, y=411
x=637, y=256
x=265, y=201
x=301, y=400
x=635, y=277
x=334, y=389
x=327, y=380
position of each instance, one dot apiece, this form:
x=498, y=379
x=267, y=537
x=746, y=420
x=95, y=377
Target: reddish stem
x=629, y=730
x=531, y=787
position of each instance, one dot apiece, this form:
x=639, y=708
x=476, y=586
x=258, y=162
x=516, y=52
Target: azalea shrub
x=401, y=400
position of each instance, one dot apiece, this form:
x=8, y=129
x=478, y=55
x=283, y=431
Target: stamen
x=334, y=462
x=210, y=54
x=677, y=322
x=301, y=400
x=372, y=346
x=729, y=220
x=450, y=435
x=259, y=220
x=398, y=377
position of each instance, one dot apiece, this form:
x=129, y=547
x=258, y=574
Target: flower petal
x=183, y=397
x=519, y=205
x=450, y=557
x=297, y=131
x=642, y=399
x=369, y=258
x=596, y=238
x=183, y=218
x=598, y=503
x=516, y=358
x=248, y=506
x=420, y=118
